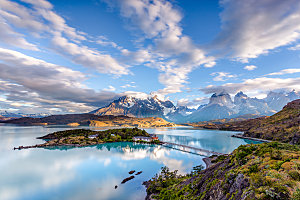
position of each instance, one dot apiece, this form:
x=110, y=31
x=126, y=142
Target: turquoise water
x=92, y=172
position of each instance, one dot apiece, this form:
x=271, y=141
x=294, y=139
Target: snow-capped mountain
x=180, y=114
x=220, y=106
x=245, y=105
x=276, y=100
x=137, y=107
x=221, y=99
x=19, y=115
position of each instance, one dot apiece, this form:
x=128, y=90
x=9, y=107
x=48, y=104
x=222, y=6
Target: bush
x=219, y=159
x=253, y=168
x=196, y=170
x=276, y=155
x=295, y=175
x=296, y=195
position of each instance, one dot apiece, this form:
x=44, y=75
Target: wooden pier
x=189, y=149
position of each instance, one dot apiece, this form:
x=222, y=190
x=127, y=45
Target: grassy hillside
x=261, y=171
x=222, y=121
x=283, y=126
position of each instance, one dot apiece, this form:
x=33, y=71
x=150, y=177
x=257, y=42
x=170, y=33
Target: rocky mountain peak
x=240, y=97
x=240, y=94
x=293, y=95
x=137, y=107
x=223, y=99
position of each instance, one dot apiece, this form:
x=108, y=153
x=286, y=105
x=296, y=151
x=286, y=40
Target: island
x=86, y=137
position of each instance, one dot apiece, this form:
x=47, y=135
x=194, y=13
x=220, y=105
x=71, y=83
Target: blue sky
x=74, y=56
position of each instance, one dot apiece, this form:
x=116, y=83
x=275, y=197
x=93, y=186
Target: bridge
x=189, y=149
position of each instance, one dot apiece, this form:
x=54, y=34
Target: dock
x=189, y=149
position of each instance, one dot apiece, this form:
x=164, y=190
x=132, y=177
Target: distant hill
x=222, y=121
x=93, y=120
x=283, y=126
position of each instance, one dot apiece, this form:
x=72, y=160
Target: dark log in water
x=131, y=172
x=138, y=173
x=127, y=179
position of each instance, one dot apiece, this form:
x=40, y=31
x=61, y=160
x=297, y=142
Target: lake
x=92, y=172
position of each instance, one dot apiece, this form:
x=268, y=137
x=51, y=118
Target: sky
x=73, y=56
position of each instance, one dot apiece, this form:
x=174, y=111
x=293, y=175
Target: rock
x=131, y=172
x=116, y=186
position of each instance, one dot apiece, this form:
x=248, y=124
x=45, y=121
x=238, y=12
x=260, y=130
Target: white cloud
x=222, y=76
x=252, y=28
x=195, y=103
x=110, y=88
x=172, y=52
x=25, y=79
x=256, y=86
x=140, y=95
x=10, y=37
x=296, y=47
x=40, y=20
x=105, y=42
x=39, y=3
x=88, y=57
x=250, y=67
x=128, y=86
x=285, y=71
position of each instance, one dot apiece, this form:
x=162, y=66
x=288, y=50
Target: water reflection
x=92, y=172
x=219, y=141
x=79, y=173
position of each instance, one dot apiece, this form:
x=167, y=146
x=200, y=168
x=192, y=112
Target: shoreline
x=207, y=162
x=73, y=145
x=250, y=138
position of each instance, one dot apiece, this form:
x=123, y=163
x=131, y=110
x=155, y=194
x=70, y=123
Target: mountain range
x=11, y=115
x=220, y=106
x=283, y=126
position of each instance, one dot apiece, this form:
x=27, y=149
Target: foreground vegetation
x=260, y=171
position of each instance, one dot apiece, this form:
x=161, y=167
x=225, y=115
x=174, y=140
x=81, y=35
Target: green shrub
x=219, y=159
x=296, y=195
x=253, y=168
